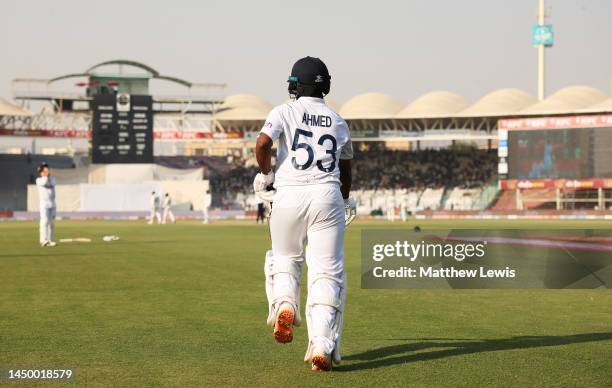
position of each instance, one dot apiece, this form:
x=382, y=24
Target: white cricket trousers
x=47, y=224
x=168, y=214
x=314, y=215
x=155, y=215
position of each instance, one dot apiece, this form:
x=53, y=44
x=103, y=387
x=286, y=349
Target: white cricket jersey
x=167, y=202
x=390, y=200
x=154, y=201
x=312, y=138
x=46, y=191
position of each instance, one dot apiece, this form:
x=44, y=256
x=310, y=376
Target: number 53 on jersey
x=327, y=141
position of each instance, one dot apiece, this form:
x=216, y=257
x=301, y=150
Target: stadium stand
x=461, y=199
x=231, y=190
x=538, y=198
x=431, y=199
x=505, y=201
x=8, y=108
x=464, y=167
x=410, y=156
x=212, y=165
x=452, y=178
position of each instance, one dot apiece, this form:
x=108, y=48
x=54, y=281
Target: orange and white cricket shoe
x=283, y=328
x=321, y=362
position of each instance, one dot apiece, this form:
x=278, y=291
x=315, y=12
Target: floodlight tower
x=541, y=57
x=542, y=37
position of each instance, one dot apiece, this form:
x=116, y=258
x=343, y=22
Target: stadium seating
x=213, y=165
x=413, y=180
x=412, y=200
x=449, y=179
x=505, y=200
x=539, y=198
x=462, y=199
x=532, y=199
x=465, y=167
x=431, y=199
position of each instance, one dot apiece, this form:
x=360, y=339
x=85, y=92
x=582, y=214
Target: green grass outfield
x=184, y=305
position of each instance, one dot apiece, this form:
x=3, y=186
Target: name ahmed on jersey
x=317, y=120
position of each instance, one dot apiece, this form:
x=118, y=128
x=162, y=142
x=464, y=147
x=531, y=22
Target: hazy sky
x=403, y=48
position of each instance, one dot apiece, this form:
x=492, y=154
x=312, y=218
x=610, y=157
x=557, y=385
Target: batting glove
x=261, y=183
x=350, y=210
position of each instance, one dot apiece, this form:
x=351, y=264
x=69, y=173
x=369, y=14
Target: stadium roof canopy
x=603, y=106
x=440, y=104
x=332, y=104
x=370, y=106
x=369, y=114
x=7, y=108
x=502, y=102
x=243, y=107
x=439, y=110
x=567, y=100
x=434, y=104
x=149, y=73
x=127, y=76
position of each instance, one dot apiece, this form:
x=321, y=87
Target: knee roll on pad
x=274, y=267
x=285, y=266
x=325, y=291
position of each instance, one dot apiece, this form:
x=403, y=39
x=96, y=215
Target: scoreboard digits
x=122, y=129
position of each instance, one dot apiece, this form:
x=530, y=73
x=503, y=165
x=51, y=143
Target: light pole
x=541, y=58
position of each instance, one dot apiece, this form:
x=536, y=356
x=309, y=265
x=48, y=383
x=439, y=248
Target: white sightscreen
x=118, y=197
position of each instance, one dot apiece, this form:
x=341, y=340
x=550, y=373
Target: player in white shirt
x=312, y=184
x=46, y=196
x=155, y=205
x=404, y=207
x=167, y=209
x=390, y=203
x=207, y=203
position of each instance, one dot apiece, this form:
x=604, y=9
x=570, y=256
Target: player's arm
x=272, y=129
x=263, y=153
x=346, y=177
x=344, y=165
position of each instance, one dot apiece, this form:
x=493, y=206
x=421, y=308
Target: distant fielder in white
x=207, y=203
x=46, y=196
x=404, y=207
x=167, y=209
x=310, y=201
x=390, y=203
x=155, y=202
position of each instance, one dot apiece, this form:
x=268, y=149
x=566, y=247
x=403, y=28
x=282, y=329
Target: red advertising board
x=161, y=135
x=45, y=133
x=586, y=121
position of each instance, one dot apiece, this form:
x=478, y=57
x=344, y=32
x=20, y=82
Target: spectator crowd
x=380, y=168
x=464, y=167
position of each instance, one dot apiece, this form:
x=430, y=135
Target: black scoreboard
x=122, y=129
